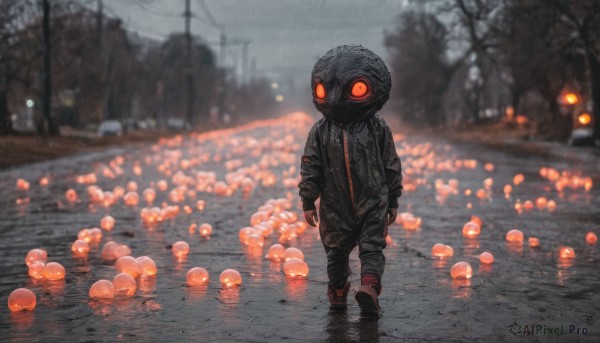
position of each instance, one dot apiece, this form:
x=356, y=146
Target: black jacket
x=363, y=148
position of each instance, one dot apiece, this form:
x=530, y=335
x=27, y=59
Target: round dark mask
x=350, y=83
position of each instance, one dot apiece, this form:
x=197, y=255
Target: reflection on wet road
x=236, y=172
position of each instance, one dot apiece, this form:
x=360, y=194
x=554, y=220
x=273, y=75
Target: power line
x=150, y=10
x=171, y=16
x=208, y=13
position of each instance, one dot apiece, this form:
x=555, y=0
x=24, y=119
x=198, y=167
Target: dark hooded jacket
x=350, y=159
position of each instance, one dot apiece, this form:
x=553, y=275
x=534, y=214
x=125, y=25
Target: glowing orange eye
x=320, y=91
x=359, y=89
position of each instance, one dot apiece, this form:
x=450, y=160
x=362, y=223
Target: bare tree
x=582, y=18
x=420, y=70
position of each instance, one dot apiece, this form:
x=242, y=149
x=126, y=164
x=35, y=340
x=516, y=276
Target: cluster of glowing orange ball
x=275, y=221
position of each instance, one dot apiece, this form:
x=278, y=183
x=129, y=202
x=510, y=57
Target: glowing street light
x=275, y=85
x=29, y=103
x=584, y=118
x=279, y=98
x=571, y=98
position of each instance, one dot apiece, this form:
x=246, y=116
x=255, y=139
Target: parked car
x=582, y=133
x=110, y=128
x=177, y=124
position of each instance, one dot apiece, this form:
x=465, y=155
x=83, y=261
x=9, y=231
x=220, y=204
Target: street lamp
x=279, y=98
x=584, y=118
x=571, y=99
x=29, y=103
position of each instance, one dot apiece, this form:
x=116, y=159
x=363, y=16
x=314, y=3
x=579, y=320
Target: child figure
x=350, y=162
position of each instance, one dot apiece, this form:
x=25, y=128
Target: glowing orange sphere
x=147, y=266
x=162, y=185
x=541, y=203
x=566, y=252
x=528, y=205
x=21, y=299
x=200, y=204
x=258, y=217
x=518, y=179
x=205, y=230
x=255, y=240
x=477, y=220
x=293, y=253
x=124, y=284
x=514, y=236
x=320, y=91
x=244, y=233
x=486, y=258
x=107, y=223
x=102, y=289
x=80, y=247
x=551, y=206
x=132, y=186
x=591, y=238
x=275, y=253
x=295, y=267
x=96, y=235
x=131, y=199
x=44, y=181
x=230, y=278
x=461, y=270
x=129, y=265
x=441, y=250
x=54, y=271
x=108, y=251
x=471, y=229
x=197, y=276
x=22, y=185
x=71, y=195
x=149, y=195
x=533, y=242
x=180, y=249
x=85, y=235
x=36, y=270
x=36, y=255
x=120, y=250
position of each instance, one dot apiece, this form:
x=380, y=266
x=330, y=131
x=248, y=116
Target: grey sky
x=287, y=35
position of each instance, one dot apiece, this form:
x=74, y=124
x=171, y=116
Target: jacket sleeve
x=393, y=166
x=311, y=170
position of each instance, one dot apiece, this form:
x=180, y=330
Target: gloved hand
x=311, y=217
x=392, y=214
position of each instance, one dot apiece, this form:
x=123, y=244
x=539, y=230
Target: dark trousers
x=338, y=264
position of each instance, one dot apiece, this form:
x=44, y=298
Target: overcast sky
x=287, y=36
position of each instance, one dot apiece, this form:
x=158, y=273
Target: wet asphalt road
x=525, y=286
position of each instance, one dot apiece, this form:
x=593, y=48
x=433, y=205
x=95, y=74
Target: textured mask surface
x=337, y=70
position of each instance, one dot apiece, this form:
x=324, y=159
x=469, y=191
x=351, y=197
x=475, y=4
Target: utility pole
x=189, y=71
x=245, y=62
x=47, y=73
x=223, y=72
x=99, y=15
x=223, y=47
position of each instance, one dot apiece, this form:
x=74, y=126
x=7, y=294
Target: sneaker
x=337, y=297
x=368, y=300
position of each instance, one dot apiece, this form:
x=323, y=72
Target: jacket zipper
x=347, y=160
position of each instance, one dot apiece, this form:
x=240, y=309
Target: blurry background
x=109, y=66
